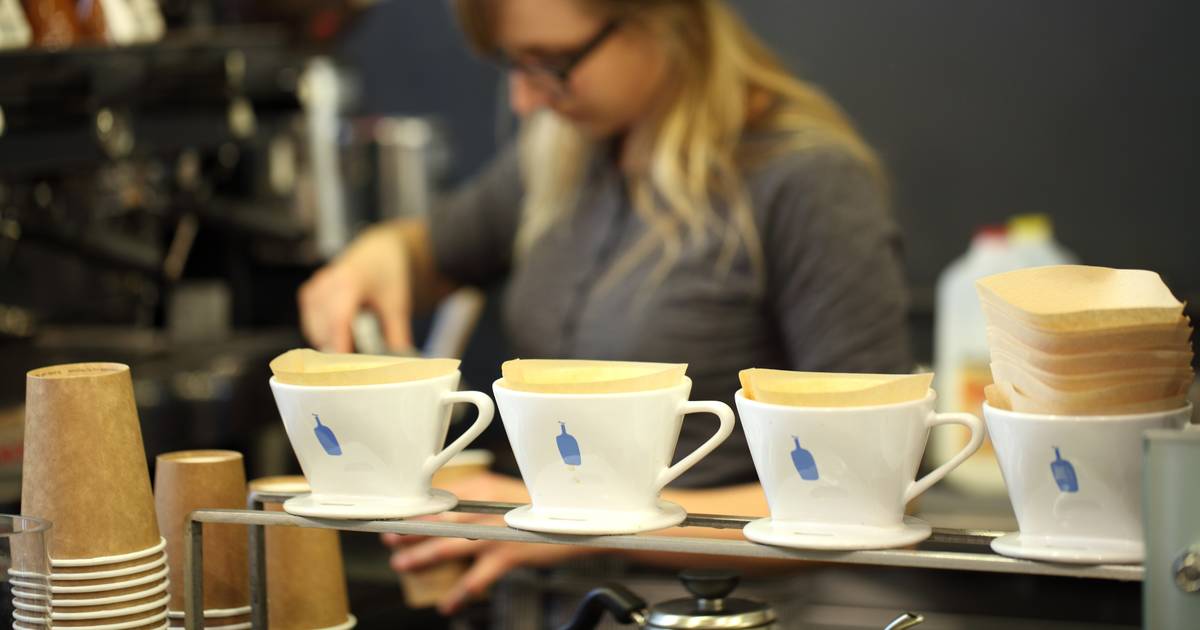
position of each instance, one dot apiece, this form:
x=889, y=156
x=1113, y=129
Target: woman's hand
x=492, y=559
x=373, y=273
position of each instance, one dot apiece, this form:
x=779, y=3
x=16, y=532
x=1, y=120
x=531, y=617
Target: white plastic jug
x=961, y=357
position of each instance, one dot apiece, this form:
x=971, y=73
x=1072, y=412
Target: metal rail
x=926, y=556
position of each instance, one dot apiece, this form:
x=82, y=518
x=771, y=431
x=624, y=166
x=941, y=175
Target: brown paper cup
x=423, y=589
x=185, y=481
x=65, y=599
x=113, y=592
x=306, y=581
x=139, y=579
x=84, y=464
x=97, y=568
x=115, y=606
x=214, y=622
x=150, y=618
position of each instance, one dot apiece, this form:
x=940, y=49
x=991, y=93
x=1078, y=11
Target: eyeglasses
x=553, y=72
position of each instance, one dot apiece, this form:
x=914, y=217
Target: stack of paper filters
x=1081, y=340
x=186, y=481
x=85, y=470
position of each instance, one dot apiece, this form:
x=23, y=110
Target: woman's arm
x=389, y=269
x=407, y=266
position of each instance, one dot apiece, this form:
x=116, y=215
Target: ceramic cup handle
x=723, y=413
x=936, y=419
x=486, y=410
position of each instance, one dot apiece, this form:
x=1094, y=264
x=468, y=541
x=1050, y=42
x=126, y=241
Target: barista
x=675, y=195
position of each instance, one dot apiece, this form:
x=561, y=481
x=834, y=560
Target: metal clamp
x=1187, y=570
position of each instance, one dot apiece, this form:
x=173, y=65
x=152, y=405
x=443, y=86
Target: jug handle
x=723, y=413
x=486, y=410
x=625, y=606
x=977, y=434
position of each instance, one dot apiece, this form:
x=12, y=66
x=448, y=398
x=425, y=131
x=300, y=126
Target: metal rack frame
x=927, y=555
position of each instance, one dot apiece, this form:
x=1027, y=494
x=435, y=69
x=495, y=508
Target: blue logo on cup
x=803, y=460
x=325, y=436
x=568, y=446
x=1064, y=473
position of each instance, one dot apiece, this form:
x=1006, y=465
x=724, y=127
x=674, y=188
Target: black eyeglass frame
x=560, y=73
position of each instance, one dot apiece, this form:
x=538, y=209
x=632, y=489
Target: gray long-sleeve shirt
x=834, y=297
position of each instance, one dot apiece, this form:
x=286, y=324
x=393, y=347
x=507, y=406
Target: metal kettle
x=709, y=607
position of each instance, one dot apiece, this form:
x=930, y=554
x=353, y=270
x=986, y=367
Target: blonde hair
x=695, y=153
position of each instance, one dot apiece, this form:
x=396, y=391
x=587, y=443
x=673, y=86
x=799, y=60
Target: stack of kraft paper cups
x=306, y=582
x=186, y=481
x=85, y=470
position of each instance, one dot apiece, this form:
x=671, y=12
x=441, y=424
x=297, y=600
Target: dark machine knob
x=709, y=583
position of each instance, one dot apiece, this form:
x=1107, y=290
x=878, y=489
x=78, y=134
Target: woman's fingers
x=488, y=567
x=328, y=303
x=434, y=551
x=394, y=312
x=404, y=540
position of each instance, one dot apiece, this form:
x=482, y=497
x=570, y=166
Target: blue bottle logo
x=1064, y=473
x=568, y=446
x=803, y=460
x=325, y=436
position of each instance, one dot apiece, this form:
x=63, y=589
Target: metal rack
x=949, y=549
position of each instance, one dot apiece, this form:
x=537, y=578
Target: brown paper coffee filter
x=828, y=389
x=185, y=481
x=1019, y=402
x=1005, y=365
x=1071, y=298
x=84, y=463
x=1088, y=363
x=312, y=368
x=1114, y=395
x=552, y=376
x=997, y=396
x=1173, y=337
x=306, y=583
